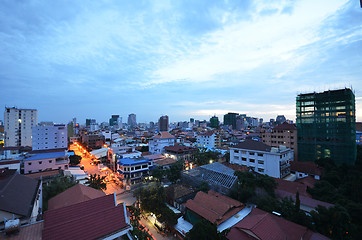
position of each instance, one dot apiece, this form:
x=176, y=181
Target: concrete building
x=230, y=119
x=18, y=126
x=326, y=124
x=208, y=140
x=159, y=141
x=46, y=161
x=284, y=134
x=163, y=124
x=47, y=135
x=132, y=122
x=134, y=170
x=262, y=158
x=21, y=198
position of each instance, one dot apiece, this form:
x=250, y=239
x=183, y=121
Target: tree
x=74, y=160
x=54, y=187
x=334, y=222
x=202, y=156
x=204, y=186
x=174, y=172
x=97, y=182
x=203, y=230
x=152, y=199
x=227, y=156
x=158, y=173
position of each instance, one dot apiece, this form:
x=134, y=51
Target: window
x=236, y=151
x=260, y=162
x=29, y=163
x=50, y=161
x=252, y=160
x=40, y=162
x=244, y=159
x=260, y=170
x=260, y=154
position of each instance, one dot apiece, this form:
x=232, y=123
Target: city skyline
x=186, y=60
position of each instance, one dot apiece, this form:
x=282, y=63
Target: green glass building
x=214, y=122
x=326, y=124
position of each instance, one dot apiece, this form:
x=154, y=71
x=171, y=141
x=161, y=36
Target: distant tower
x=132, y=120
x=230, y=119
x=280, y=119
x=163, y=124
x=18, y=126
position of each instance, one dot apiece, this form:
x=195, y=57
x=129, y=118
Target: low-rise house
x=164, y=163
x=20, y=197
x=159, y=141
x=99, y=218
x=179, y=152
x=287, y=189
x=215, y=208
x=46, y=161
x=304, y=169
x=262, y=158
x=13, y=152
x=133, y=170
x=178, y=194
x=76, y=194
x=261, y=225
x=126, y=152
x=10, y=164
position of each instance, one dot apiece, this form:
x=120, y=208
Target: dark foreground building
x=326, y=125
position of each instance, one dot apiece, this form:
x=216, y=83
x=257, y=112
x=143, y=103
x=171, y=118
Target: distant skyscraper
x=132, y=120
x=18, y=126
x=326, y=125
x=163, y=123
x=230, y=119
x=48, y=135
x=214, y=122
x=113, y=120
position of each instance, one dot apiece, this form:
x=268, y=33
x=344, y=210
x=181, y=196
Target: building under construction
x=326, y=126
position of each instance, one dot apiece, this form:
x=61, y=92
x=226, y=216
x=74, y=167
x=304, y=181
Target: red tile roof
x=214, y=207
x=76, y=194
x=306, y=167
x=91, y=219
x=165, y=162
x=163, y=135
x=253, y=145
x=292, y=187
x=29, y=232
x=206, y=134
x=285, y=126
x=179, y=148
x=265, y=226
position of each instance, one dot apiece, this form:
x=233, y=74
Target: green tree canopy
x=203, y=230
x=97, y=182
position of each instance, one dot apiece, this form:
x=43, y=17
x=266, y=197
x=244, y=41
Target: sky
x=184, y=59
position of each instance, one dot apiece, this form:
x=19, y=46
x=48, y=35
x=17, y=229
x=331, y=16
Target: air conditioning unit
x=12, y=226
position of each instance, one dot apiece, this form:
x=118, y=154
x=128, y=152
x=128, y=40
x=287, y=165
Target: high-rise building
x=132, y=120
x=47, y=135
x=326, y=125
x=113, y=120
x=230, y=119
x=18, y=126
x=163, y=124
x=214, y=122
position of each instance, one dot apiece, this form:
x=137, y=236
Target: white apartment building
x=159, y=141
x=272, y=161
x=48, y=135
x=18, y=126
x=207, y=140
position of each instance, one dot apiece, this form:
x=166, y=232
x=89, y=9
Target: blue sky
x=92, y=59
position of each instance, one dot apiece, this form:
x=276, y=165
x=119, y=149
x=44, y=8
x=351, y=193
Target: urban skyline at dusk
x=185, y=60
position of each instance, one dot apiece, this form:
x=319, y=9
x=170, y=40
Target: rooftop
x=162, y=135
x=91, y=219
x=17, y=193
x=285, y=126
x=39, y=156
x=214, y=207
x=165, y=162
x=179, y=148
x=306, y=167
x=76, y=194
x=266, y=226
x=253, y=145
x=132, y=161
